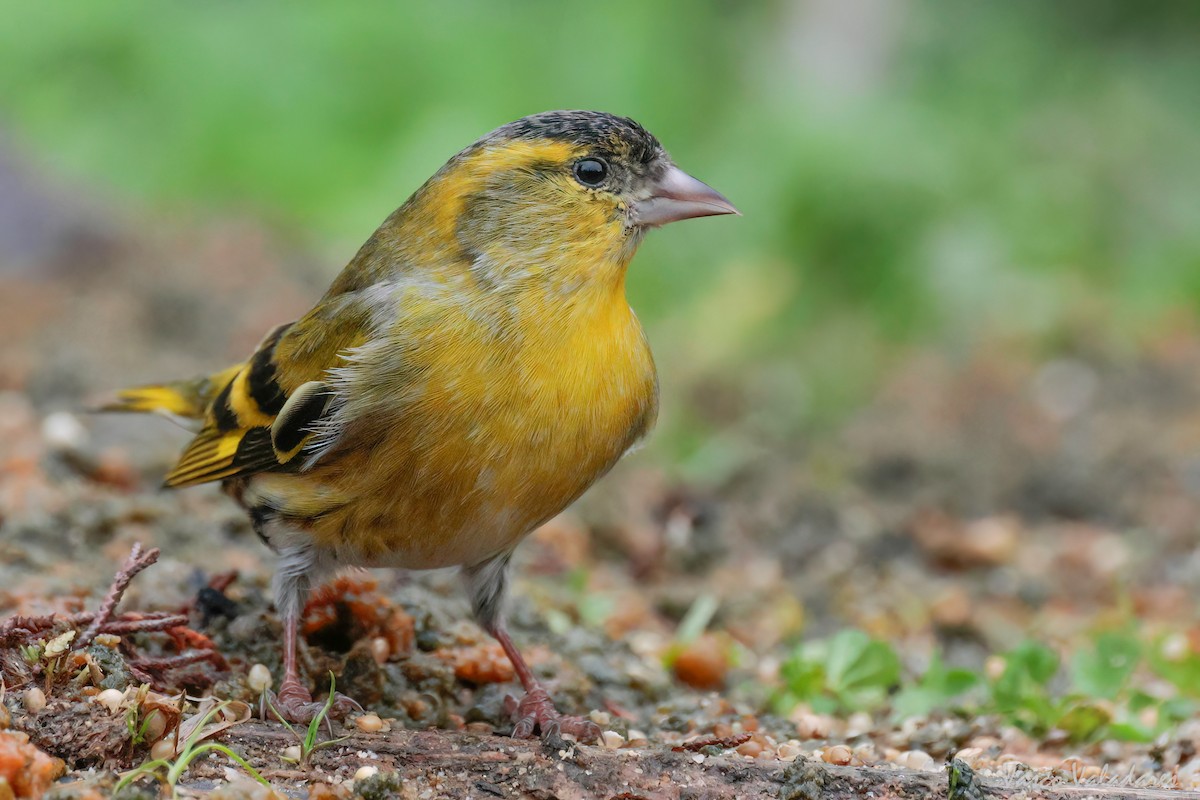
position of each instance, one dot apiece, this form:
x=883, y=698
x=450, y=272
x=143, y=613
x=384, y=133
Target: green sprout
x=137, y=731
x=308, y=742
x=169, y=772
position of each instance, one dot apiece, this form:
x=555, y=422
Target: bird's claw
x=294, y=704
x=535, y=712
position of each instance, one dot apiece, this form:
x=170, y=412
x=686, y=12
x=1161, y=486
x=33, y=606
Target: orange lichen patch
x=24, y=769
x=479, y=664
x=351, y=608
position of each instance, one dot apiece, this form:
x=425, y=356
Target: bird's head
x=564, y=194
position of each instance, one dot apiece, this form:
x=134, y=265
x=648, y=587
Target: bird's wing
x=265, y=414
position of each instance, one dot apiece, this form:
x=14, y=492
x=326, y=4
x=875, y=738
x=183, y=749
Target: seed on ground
x=164, y=748
x=812, y=726
x=110, y=699
x=838, y=754
x=612, y=740
x=917, y=760
x=34, y=700
x=752, y=749
x=369, y=723
x=789, y=751
x=259, y=679
x=971, y=756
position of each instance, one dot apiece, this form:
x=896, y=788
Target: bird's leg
x=294, y=703
x=536, y=711
x=488, y=583
x=292, y=693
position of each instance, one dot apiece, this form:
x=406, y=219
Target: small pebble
x=750, y=749
x=838, y=754
x=369, y=723
x=291, y=753
x=364, y=772
x=63, y=431
x=859, y=723
x=34, y=700
x=702, y=664
x=971, y=756
x=789, y=751
x=612, y=740
x=864, y=755
x=812, y=726
x=601, y=718
x=917, y=760
x=259, y=679
x=109, y=640
x=110, y=699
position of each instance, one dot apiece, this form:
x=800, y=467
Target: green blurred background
x=912, y=173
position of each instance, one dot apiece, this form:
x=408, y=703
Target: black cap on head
x=607, y=132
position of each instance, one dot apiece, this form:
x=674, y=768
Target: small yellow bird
x=470, y=373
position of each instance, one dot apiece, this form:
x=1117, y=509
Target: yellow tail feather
x=189, y=399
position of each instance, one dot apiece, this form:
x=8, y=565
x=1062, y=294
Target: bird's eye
x=591, y=171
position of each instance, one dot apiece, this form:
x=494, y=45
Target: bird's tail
x=189, y=399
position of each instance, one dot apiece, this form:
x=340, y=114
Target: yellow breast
x=478, y=419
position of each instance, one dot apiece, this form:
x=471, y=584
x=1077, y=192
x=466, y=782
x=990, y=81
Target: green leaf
x=1129, y=731
x=1183, y=672
x=1104, y=670
x=937, y=688
x=1027, y=668
x=857, y=662
x=1084, y=720
x=804, y=678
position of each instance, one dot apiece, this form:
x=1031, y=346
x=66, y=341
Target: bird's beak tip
x=677, y=196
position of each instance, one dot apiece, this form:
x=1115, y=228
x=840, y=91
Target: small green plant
x=308, y=742
x=137, y=724
x=1094, y=694
x=169, y=772
x=848, y=672
x=938, y=687
x=1021, y=693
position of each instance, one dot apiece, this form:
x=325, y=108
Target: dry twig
x=138, y=560
x=724, y=743
x=174, y=662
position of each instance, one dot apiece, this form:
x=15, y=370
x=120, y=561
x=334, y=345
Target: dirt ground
x=978, y=500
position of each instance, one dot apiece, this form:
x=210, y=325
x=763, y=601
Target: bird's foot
x=295, y=704
x=536, y=712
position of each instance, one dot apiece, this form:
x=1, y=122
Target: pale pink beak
x=677, y=195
